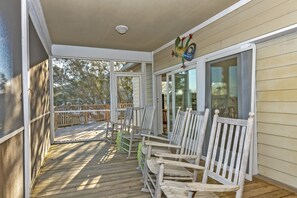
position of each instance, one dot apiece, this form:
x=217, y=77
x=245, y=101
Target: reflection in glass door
x=224, y=86
x=185, y=90
x=229, y=85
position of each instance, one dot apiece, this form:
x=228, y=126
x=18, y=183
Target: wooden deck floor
x=80, y=133
x=95, y=169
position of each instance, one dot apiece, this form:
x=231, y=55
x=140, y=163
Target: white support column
x=201, y=85
x=112, y=92
x=143, y=84
x=52, y=113
x=155, y=102
x=26, y=101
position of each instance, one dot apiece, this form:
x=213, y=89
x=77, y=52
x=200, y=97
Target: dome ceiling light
x=121, y=29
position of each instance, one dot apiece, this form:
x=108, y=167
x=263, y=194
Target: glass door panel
x=224, y=86
x=169, y=100
x=186, y=90
x=181, y=92
x=228, y=85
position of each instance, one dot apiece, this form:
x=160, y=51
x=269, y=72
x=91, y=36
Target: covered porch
x=245, y=61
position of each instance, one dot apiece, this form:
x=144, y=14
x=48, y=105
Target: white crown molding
x=38, y=20
x=206, y=23
x=100, y=53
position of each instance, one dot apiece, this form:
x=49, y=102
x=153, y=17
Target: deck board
x=96, y=169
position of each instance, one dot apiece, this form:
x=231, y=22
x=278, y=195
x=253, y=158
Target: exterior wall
x=251, y=20
x=11, y=167
x=148, y=82
x=277, y=108
x=136, y=92
x=39, y=102
x=149, y=85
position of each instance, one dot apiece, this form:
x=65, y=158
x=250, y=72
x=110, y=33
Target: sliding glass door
x=228, y=85
x=228, y=88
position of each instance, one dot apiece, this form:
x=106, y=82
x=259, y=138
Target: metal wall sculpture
x=185, y=52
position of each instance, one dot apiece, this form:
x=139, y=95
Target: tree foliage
x=78, y=81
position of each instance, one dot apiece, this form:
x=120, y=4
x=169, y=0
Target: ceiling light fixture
x=121, y=29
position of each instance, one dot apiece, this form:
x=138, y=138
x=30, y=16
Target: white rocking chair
x=191, y=148
x=174, y=139
x=129, y=141
x=122, y=125
x=226, y=160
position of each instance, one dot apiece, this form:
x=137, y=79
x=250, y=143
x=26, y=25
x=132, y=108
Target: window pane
x=224, y=87
x=186, y=90
x=11, y=108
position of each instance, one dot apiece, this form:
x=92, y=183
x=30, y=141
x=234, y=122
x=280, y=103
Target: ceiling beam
x=100, y=53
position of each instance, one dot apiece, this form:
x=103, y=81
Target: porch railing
x=69, y=115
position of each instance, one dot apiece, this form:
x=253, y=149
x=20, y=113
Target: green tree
x=79, y=81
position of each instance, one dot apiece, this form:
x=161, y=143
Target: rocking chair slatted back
x=228, y=150
x=194, y=133
x=178, y=127
x=128, y=116
x=147, y=120
x=192, y=143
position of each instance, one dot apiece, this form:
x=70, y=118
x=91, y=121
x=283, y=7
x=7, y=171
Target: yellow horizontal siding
x=278, y=141
x=254, y=19
x=277, y=107
x=277, y=61
x=279, y=72
x=278, y=40
x=278, y=153
x=276, y=85
x=277, y=118
x=280, y=95
x=276, y=164
x=278, y=49
x=278, y=130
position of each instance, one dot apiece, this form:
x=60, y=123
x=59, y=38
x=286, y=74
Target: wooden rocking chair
x=191, y=148
x=226, y=160
x=129, y=141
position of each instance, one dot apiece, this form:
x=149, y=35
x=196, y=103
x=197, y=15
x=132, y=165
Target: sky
x=5, y=51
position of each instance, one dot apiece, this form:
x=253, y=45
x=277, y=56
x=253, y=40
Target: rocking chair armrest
x=159, y=144
x=180, y=164
x=176, y=156
x=211, y=187
x=154, y=137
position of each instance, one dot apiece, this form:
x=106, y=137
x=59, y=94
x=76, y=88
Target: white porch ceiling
x=152, y=23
